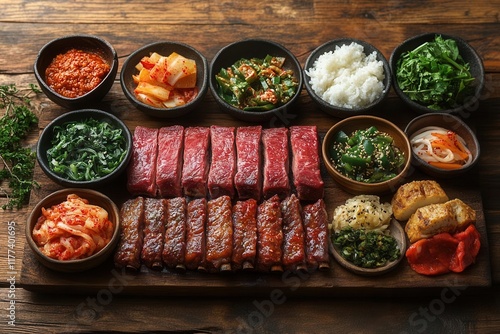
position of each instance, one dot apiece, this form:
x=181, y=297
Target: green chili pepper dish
x=257, y=84
x=367, y=155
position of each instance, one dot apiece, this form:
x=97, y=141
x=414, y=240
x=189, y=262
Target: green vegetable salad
x=366, y=156
x=434, y=74
x=257, y=84
x=367, y=249
x=86, y=150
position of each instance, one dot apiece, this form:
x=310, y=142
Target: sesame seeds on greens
x=367, y=155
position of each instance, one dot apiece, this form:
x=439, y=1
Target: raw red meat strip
x=195, y=234
x=128, y=253
x=154, y=231
x=294, y=257
x=248, y=177
x=142, y=168
x=219, y=234
x=169, y=161
x=174, y=247
x=244, y=234
x=315, y=220
x=196, y=161
x=269, y=235
x=276, y=162
x=305, y=163
x=223, y=164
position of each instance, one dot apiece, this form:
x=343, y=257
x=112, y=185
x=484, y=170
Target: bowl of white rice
x=347, y=77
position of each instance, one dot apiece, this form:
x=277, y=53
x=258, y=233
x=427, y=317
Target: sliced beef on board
x=223, y=162
x=174, y=247
x=154, y=232
x=315, y=220
x=269, y=235
x=307, y=179
x=141, y=172
x=195, y=234
x=128, y=252
x=244, y=234
x=219, y=234
x=248, y=177
x=294, y=257
x=169, y=161
x=276, y=163
x=196, y=161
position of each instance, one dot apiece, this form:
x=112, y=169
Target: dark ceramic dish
x=82, y=42
x=44, y=143
x=72, y=266
x=254, y=48
x=449, y=122
x=468, y=54
x=351, y=124
x=342, y=112
x=165, y=49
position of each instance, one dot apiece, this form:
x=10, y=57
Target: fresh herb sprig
x=18, y=161
x=434, y=74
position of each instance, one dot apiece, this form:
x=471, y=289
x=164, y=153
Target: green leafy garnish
x=367, y=249
x=86, y=150
x=434, y=74
x=18, y=161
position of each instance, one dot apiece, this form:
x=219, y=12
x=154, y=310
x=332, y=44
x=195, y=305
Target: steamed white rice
x=347, y=77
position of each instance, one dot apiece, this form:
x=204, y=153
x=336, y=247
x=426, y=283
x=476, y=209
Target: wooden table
x=300, y=26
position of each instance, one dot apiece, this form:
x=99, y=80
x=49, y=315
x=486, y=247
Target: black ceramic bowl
x=44, y=143
x=339, y=111
x=165, y=49
x=77, y=265
x=469, y=55
x=87, y=43
x=253, y=48
x=449, y=122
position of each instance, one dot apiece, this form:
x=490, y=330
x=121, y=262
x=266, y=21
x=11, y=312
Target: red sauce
x=76, y=72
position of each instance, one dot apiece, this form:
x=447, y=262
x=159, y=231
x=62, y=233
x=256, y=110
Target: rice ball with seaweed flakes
x=347, y=77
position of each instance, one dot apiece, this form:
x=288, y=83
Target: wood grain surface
x=301, y=26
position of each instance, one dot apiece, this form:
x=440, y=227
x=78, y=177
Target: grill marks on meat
x=169, y=161
x=276, y=162
x=248, y=177
x=196, y=161
x=195, y=234
x=174, y=247
x=128, y=253
x=305, y=163
x=244, y=234
x=269, y=235
x=142, y=168
x=315, y=222
x=154, y=231
x=215, y=235
x=294, y=257
x=219, y=234
x=223, y=163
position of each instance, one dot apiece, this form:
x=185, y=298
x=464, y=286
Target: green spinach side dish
x=257, y=84
x=434, y=74
x=86, y=150
x=366, y=249
x=368, y=155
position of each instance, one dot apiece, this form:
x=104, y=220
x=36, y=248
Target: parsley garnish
x=18, y=162
x=434, y=74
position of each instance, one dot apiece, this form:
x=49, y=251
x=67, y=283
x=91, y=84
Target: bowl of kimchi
x=73, y=229
x=443, y=145
x=165, y=79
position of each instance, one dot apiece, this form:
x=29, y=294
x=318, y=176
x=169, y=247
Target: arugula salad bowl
x=231, y=56
x=85, y=148
x=463, y=104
